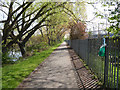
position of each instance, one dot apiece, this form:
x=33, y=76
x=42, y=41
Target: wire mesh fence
x=105, y=67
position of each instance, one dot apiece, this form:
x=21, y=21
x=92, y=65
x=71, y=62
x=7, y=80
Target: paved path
x=57, y=71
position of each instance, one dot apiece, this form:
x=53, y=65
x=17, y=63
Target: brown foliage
x=77, y=30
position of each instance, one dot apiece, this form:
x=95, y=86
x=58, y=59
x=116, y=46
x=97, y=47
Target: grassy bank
x=13, y=75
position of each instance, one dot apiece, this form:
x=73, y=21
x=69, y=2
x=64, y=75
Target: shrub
x=77, y=30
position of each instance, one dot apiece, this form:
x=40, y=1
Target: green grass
x=14, y=74
x=97, y=65
x=111, y=76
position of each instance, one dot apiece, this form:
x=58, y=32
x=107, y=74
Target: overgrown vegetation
x=77, y=30
x=12, y=75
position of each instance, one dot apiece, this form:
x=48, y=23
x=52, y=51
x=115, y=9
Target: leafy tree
x=17, y=28
x=25, y=18
x=114, y=19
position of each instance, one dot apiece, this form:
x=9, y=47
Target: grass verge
x=13, y=75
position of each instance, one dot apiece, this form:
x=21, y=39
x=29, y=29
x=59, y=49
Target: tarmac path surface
x=57, y=71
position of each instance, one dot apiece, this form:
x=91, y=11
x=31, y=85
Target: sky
x=90, y=10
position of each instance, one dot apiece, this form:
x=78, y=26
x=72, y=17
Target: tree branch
x=70, y=12
x=19, y=8
x=3, y=11
x=28, y=15
x=3, y=21
x=20, y=14
x=3, y=6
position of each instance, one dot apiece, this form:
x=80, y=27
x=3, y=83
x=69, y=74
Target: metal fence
x=105, y=67
x=112, y=63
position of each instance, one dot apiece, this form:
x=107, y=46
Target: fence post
x=71, y=43
x=87, y=51
x=106, y=63
x=79, y=47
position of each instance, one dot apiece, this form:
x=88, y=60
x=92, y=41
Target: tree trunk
x=49, y=40
x=21, y=46
x=41, y=32
x=4, y=50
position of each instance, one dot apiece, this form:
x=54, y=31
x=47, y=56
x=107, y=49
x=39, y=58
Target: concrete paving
x=56, y=71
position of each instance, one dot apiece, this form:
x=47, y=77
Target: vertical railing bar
x=110, y=64
x=115, y=64
x=105, y=68
x=93, y=50
x=85, y=51
x=107, y=60
x=92, y=53
x=68, y=42
x=88, y=53
x=78, y=46
x=118, y=64
x=100, y=64
x=75, y=45
x=96, y=56
x=106, y=63
x=103, y=65
x=71, y=43
x=99, y=72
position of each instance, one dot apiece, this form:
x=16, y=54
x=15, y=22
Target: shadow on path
x=85, y=77
x=62, y=49
x=62, y=69
x=56, y=71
